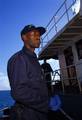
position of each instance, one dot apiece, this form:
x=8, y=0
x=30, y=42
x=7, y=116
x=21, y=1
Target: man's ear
x=24, y=37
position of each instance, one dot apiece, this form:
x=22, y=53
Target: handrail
x=55, y=13
x=61, y=77
x=55, y=22
x=64, y=3
x=2, y=114
x=3, y=109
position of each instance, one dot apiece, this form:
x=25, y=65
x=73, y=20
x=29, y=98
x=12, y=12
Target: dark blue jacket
x=27, y=84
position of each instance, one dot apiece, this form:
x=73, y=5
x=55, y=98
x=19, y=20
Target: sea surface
x=5, y=99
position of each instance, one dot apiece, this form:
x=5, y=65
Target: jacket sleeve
x=21, y=89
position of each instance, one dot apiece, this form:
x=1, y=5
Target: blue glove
x=55, y=103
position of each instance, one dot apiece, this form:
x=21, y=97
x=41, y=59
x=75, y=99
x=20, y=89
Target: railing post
x=81, y=7
x=47, y=37
x=55, y=23
x=41, y=43
x=66, y=11
x=79, y=84
x=63, y=89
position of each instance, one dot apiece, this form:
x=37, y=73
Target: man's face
x=32, y=39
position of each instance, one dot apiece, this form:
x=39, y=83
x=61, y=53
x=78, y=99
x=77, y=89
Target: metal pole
x=47, y=38
x=64, y=113
x=62, y=81
x=41, y=43
x=79, y=84
x=66, y=11
x=55, y=23
x=81, y=7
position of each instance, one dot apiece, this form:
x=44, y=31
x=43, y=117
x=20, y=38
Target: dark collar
x=27, y=51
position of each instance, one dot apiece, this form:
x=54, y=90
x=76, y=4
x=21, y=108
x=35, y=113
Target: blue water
x=5, y=99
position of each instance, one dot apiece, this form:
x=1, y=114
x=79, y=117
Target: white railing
x=2, y=116
x=62, y=16
x=68, y=74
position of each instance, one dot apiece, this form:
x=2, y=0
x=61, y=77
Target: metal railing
x=2, y=115
x=62, y=16
x=59, y=77
x=69, y=75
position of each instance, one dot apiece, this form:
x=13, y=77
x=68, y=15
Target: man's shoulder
x=15, y=56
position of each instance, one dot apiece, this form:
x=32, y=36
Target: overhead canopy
x=61, y=39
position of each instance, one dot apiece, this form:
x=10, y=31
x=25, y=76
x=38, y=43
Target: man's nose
x=38, y=38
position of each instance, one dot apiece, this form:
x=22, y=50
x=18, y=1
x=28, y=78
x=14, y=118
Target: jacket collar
x=27, y=51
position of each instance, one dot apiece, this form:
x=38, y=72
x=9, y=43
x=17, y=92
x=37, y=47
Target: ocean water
x=5, y=99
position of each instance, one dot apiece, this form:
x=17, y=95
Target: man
x=47, y=70
x=28, y=88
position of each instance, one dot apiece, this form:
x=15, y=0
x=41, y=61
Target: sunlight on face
x=34, y=34
x=33, y=38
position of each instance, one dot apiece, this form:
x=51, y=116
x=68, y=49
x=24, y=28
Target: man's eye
x=32, y=33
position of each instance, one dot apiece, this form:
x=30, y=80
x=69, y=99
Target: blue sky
x=14, y=15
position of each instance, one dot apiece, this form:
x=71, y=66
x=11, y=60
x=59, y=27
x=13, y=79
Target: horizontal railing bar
x=58, y=20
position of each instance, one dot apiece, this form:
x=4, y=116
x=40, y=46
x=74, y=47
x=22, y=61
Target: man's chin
x=37, y=46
